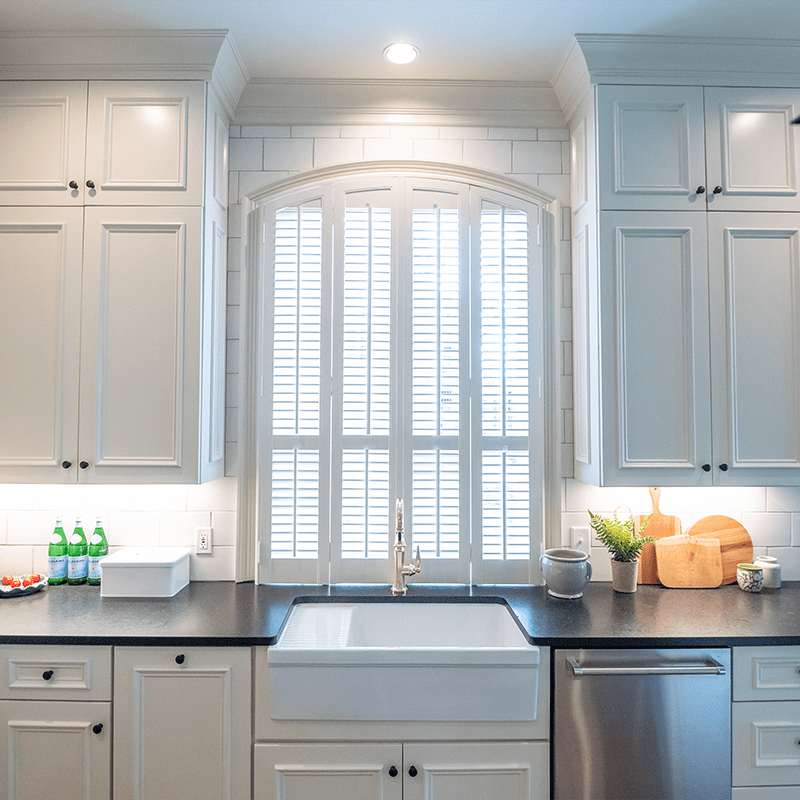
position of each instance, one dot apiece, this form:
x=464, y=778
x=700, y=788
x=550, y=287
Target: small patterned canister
x=749, y=577
x=772, y=571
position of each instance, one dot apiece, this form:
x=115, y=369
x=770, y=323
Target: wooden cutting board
x=660, y=525
x=734, y=541
x=689, y=562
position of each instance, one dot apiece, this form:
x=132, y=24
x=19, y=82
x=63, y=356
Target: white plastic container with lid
x=145, y=572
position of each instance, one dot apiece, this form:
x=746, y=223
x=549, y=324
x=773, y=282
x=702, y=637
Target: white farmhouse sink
x=403, y=661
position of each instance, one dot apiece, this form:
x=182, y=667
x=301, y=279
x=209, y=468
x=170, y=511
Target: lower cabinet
x=395, y=771
x=182, y=723
x=766, y=723
x=55, y=749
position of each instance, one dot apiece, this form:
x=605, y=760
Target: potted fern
x=624, y=545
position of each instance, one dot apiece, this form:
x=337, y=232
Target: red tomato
x=35, y=578
x=27, y=582
x=8, y=580
x=15, y=583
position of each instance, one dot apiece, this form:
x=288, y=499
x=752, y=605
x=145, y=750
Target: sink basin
x=403, y=661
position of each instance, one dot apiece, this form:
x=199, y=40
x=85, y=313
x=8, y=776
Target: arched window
x=400, y=354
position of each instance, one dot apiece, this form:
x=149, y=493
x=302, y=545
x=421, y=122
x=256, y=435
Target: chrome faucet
x=401, y=569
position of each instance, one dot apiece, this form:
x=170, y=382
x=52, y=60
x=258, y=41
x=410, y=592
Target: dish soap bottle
x=98, y=548
x=57, y=556
x=77, y=556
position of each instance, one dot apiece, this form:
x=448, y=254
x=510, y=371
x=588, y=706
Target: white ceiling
x=515, y=40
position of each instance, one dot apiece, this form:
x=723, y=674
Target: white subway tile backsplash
x=365, y=131
x=388, y=149
x=264, y=132
x=219, y=566
x=133, y=528
x=494, y=156
x=246, y=154
x=768, y=530
x=450, y=151
x=16, y=559
x=315, y=131
x=288, y=154
x=160, y=498
x=177, y=528
x=219, y=495
x=3, y=520
x=224, y=525
x=515, y=134
x=16, y=495
x=414, y=132
x=337, y=151
x=537, y=157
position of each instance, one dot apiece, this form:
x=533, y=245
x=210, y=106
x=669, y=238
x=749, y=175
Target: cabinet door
x=140, y=345
x=752, y=149
x=330, y=771
x=765, y=744
x=654, y=351
x=43, y=135
x=145, y=143
x=182, y=729
x=476, y=771
x=55, y=749
x=754, y=263
x=651, y=153
x=40, y=308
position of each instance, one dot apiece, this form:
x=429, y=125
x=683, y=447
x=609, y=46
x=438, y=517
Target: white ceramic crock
x=772, y=571
x=566, y=572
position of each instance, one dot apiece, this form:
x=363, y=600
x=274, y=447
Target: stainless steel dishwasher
x=642, y=724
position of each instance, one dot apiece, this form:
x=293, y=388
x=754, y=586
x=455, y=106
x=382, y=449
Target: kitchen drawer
x=52, y=672
x=766, y=744
x=766, y=673
x=766, y=793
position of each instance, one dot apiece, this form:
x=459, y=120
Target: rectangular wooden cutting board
x=689, y=562
x=659, y=526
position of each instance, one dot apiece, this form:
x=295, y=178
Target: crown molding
x=207, y=55
x=684, y=61
x=399, y=102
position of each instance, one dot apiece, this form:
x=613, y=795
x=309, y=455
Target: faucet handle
x=418, y=561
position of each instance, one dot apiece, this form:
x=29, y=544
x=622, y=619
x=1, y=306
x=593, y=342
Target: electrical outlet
x=202, y=544
x=580, y=539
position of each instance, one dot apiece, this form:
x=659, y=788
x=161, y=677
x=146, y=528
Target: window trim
x=253, y=456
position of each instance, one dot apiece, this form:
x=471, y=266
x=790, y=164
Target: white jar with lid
x=772, y=571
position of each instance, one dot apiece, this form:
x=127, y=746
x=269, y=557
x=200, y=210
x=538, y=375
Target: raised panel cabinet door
x=754, y=280
x=654, y=350
x=55, y=749
x=651, y=153
x=140, y=345
x=766, y=744
x=43, y=135
x=182, y=723
x=40, y=309
x=476, y=771
x=145, y=143
x=752, y=149
x=352, y=771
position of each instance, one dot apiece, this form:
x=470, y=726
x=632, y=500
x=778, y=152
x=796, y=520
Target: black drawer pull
x=700, y=190
x=412, y=771
x=66, y=464
x=90, y=184
x=97, y=728
x=47, y=674
x=393, y=771
x=73, y=184
x=180, y=658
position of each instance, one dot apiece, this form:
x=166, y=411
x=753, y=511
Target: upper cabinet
x=685, y=260
x=682, y=148
x=113, y=238
x=102, y=143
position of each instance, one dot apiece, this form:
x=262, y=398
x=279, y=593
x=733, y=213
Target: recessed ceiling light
x=401, y=53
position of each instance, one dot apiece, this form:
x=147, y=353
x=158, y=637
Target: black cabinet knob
x=706, y=467
x=47, y=674
x=717, y=190
x=90, y=184
x=84, y=464
x=412, y=771
x=97, y=728
x=723, y=467
x=73, y=184
x=700, y=190
x=66, y=464
x=180, y=658
x=392, y=771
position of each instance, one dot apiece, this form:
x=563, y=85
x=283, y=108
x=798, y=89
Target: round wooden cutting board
x=734, y=542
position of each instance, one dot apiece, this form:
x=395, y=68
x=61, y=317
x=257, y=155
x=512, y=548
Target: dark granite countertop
x=244, y=614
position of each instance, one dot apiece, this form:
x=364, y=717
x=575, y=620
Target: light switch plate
x=580, y=538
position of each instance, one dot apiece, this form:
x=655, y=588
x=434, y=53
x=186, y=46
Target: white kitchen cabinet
x=182, y=725
x=55, y=722
x=695, y=148
x=112, y=316
x=412, y=771
x=113, y=332
x=699, y=373
x=102, y=142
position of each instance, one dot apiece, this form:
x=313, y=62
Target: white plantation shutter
x=405, y=362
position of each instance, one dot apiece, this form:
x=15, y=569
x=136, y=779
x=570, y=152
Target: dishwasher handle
x=711, y=667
